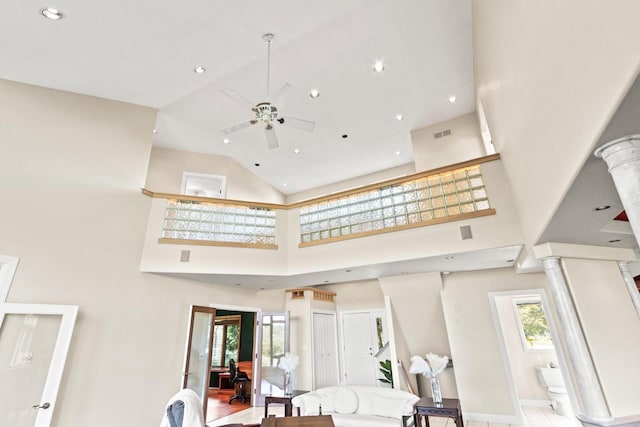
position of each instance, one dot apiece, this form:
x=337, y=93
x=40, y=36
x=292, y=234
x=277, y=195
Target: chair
x=239, y=378
x=184, y=409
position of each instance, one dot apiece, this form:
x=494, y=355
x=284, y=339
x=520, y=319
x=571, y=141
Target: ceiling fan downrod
x=268, y=38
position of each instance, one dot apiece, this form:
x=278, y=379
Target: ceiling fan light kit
x=266, y=112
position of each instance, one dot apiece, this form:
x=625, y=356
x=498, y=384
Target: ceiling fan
x=267, y=112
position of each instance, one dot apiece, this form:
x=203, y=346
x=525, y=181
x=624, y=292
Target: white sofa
x=360, y=405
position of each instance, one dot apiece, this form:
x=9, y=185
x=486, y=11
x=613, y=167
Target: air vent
x=465, y=232
x=440, y=134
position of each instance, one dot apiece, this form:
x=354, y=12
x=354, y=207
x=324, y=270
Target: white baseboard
x=536, y=403
x=492, y=418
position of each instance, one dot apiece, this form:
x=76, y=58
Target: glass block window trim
x=212, y=222
x=419, y=201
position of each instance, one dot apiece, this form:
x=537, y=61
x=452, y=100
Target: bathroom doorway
x=529, y=344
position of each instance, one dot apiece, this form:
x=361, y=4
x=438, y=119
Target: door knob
x=45, y=405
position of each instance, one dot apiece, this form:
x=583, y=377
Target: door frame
x=8, y=266
x=193, y=309
x=69, y=314
x=336, y=347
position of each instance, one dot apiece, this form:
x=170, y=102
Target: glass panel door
x=34, y=340
x=198, y=358
x=273, y=343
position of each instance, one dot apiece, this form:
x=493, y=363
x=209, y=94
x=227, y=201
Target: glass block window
x=211, y=222
x=419, y=201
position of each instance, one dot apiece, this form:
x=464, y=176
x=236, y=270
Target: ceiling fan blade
x=272, y=139
x=239, y=126
x=281, y=97
x=239, y=98
x=298, y=123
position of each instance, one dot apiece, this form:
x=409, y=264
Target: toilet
x=551, y=380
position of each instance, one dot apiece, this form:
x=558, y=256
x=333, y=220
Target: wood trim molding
x=231, y=202
x=393, y=181
x=318, y=294
x=165, y=240
x=460, y=217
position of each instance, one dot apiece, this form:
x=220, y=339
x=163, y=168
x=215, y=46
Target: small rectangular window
x=203, y=185
x=533, y=325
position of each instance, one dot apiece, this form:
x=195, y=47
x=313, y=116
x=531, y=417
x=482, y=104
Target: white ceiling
x=144, y=52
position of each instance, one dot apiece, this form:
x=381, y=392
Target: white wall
x=464, y=143
x=72, y=167
x=473, y=338
x=549, y=76
x=523, y=363
x=166, y=167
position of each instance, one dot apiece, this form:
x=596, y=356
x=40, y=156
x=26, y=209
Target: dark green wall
x=246, y=332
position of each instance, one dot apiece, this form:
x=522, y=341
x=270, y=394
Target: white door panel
x=359, y=349
x=34, y=341
x=324, y=350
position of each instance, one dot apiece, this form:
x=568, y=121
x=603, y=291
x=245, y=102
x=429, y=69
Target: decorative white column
x=623, y=158
x=631, y=285
x=589, y=391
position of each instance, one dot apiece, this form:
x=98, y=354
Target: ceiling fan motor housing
x=265, y=112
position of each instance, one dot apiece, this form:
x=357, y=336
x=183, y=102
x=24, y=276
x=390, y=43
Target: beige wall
x=167, y=166
x=419, y=323
x=72, y=168
x=501, y=229
x=473, y=338
x=464, y=143
x=612, y=333
x=549, y=76
x=349, y=184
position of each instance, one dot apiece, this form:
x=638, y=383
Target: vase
x=435, y=390
x=288, y=384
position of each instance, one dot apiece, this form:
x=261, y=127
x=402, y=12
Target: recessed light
x=296, y=150
x=51, y=13
x=448, y=257
x=398, y=117
x=446, y=272
x=284, y=184
x=226, y=141
x=348, y=271
x=378, y=66
x=199, y=70
x=397, y=153
x=510, y=260
x=614, y=241
x=452, y=99
x=314, y=93
x=345, y=136
x=326, y=281
x=602, y=208
x=238, y=284
x=155, y=131
x=256, y=165
x=262, y=289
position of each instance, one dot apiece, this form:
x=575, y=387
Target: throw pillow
x=390, y=407
x=346, y=401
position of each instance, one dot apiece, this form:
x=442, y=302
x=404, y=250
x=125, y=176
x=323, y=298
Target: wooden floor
x=218, y=405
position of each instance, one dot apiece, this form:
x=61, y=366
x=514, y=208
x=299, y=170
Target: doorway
x=362, y=337
x=528, y=340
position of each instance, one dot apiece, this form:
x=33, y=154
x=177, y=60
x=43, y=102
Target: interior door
x=198, y=356
x=359, y=349
x=325, y=363
x=273, y=342
x=34, y=340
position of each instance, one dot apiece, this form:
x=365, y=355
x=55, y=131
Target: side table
x=281, y=398
x=449, y=408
